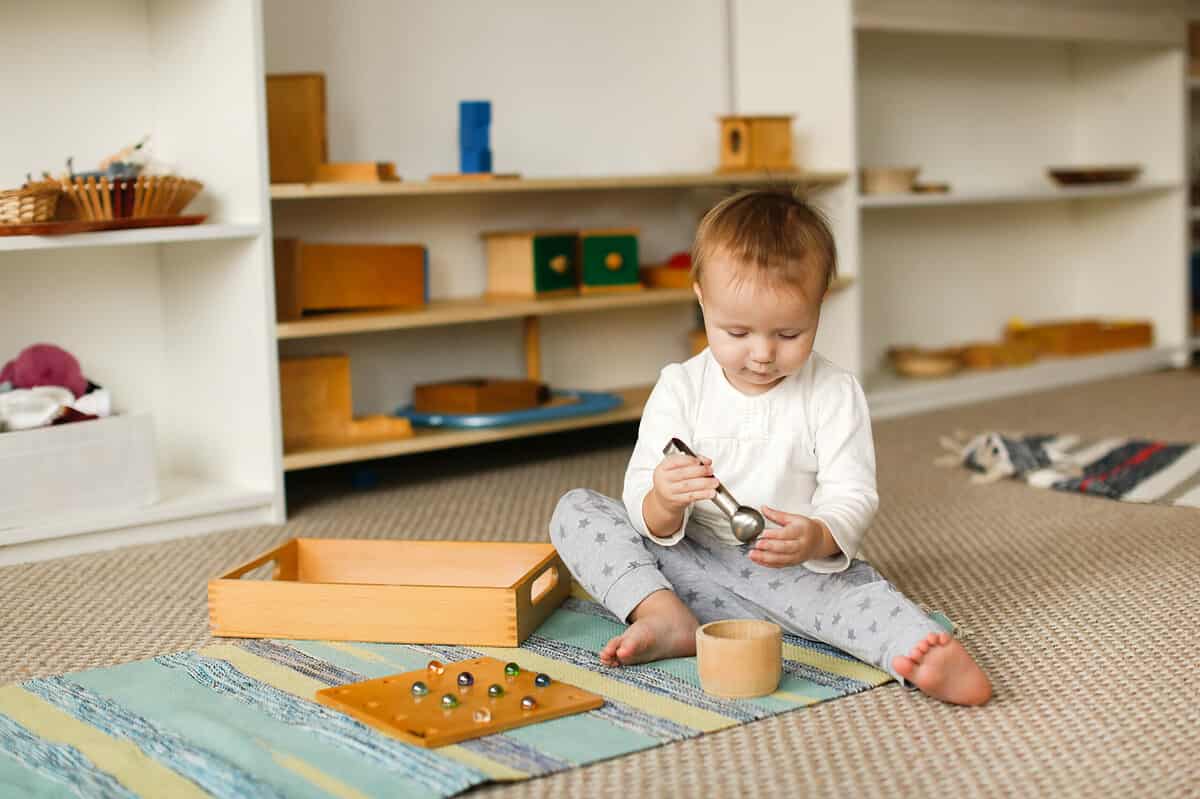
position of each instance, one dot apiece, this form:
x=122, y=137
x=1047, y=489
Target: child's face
x=758, y=332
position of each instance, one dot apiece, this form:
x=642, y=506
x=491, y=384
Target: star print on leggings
x=746, y=574
x=601, y=538
x=584, y=523
x=607, y=570
x=718, y=603
x=692, y=595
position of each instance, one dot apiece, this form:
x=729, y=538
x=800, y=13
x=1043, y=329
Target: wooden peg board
x=388, y=705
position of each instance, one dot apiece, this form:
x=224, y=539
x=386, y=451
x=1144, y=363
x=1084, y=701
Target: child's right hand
x=680, y=480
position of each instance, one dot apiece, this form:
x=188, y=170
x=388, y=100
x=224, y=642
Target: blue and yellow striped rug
x=239, y=719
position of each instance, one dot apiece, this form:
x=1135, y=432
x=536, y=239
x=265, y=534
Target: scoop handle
x=723, y=500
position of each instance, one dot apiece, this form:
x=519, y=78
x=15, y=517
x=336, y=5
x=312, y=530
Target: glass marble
x=449, y=701
x=495, y=690
x=542, y=680
x=419, y=688
x=436, y=667
x=528, y=703
x=466, y=679
x=482, y=715
x=511, y=670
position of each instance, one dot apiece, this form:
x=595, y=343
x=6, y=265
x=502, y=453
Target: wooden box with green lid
x=608, y=260
x=532, y=263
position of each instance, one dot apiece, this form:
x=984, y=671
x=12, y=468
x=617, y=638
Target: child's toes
x=905, y=667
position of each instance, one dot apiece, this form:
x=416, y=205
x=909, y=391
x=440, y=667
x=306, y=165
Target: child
x=790, y=433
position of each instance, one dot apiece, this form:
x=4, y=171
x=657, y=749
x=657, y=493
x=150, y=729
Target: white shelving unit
x=180, y=323
x=986, y=99
x=177, y=322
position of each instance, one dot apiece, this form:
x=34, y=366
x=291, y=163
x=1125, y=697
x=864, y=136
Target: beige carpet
x=1085, y=611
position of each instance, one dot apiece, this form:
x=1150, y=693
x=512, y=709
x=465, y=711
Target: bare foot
x=941, y=667
x=663, y=627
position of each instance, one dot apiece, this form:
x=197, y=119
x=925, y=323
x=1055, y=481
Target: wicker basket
x=122, y=198
x=35, y=202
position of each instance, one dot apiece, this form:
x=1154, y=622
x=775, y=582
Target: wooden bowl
x=1095, y=173
x=888, y=180
x=915, y=362
x=739, y=658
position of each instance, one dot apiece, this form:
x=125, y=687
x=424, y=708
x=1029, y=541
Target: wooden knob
x=614, y=261
x=560, y=264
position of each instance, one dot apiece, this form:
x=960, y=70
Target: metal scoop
x=745, y=522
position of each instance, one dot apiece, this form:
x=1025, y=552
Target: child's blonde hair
x=775, y=230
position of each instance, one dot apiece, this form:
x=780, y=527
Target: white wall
x=576, y=88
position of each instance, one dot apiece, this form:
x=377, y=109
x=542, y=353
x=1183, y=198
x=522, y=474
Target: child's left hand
x=797, y=539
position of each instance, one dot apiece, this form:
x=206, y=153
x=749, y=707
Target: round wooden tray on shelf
x=1097, y=173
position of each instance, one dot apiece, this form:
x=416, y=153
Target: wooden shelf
x=311, y=191
x=454, y=312
x=1035, y=195
x=114, y=238
x=891, y=395
x=429, y=439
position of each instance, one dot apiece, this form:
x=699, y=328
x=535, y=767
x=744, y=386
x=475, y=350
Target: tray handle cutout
x=274, y=556
x=544, y=584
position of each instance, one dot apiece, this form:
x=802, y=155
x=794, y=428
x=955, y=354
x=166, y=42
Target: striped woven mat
x=239, y=719
x=1126, y=469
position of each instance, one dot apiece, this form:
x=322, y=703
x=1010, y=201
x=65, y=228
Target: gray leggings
x=856, y=610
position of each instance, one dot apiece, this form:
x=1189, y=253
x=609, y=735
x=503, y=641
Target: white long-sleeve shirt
x=802, y=447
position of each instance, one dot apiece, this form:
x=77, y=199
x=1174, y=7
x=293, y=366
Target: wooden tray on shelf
x=83, y=226
x=1094, y=174
x=393, y=591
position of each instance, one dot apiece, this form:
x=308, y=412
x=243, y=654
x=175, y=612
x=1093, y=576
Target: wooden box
x=756, y=143
x=479, y=395
x=317, y=410
x=1081, y=337
x=608, y=260
x=531, y=263
x=411, y=592
x=344, y=277
x=296, y=126
x=356, y=172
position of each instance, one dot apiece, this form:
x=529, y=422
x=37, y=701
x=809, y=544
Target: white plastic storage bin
x=98, y=464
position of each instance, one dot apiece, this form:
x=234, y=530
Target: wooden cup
x=739, y=658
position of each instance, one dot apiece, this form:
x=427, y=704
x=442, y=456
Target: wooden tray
x=388, y=704
x=426, y=592
x=84, y=226
x=1099, y=173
